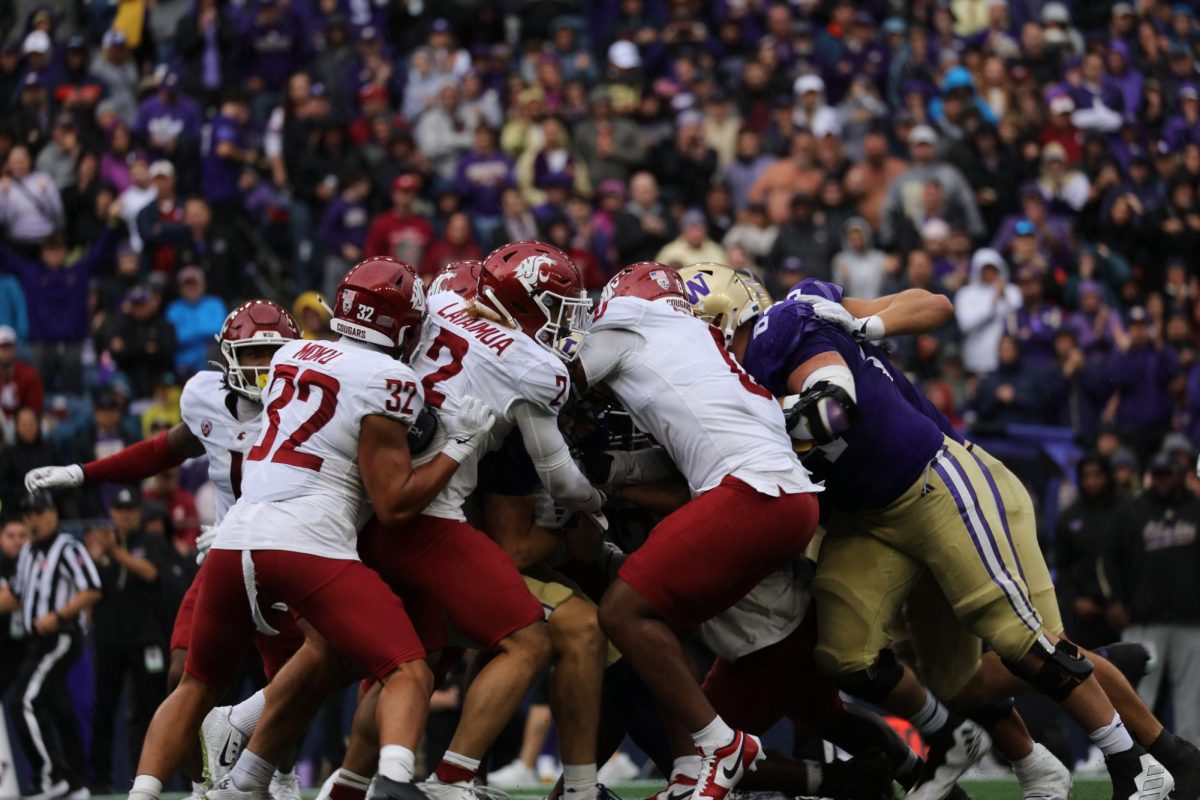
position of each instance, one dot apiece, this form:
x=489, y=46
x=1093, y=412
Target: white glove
x=66, y=477
x=204, y=542
x=467, y=430
x=861, y=329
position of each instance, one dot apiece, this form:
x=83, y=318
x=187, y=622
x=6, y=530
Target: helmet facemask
x=248, y=381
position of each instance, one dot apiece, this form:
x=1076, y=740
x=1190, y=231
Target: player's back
x=227, y=425
x=463, y=354
x=891, y=441
x=301, y=477
x=682, y=387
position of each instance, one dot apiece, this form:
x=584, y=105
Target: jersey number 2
x=445, y=340
x=297, y=386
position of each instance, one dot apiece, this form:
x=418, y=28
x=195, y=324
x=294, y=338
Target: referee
x=54, y=584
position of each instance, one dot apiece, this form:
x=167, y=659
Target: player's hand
x=862, y=329
x=46, y=624
x=208, y=534
x=54, y=478
x=467, y=429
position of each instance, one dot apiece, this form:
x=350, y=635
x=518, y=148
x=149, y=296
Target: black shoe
x=861, y=778
x=953, y=750
x=388, y=789
x=1182, y=760
x=1137, y=775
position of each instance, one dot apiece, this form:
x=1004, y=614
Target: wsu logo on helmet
x=418, y=295
x=530, y=271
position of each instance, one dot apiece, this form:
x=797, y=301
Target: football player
x=957, y=669
x=222, y=415
x=337, y=417
x=906, y=498
x=754, y=509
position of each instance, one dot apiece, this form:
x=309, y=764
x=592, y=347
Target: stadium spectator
x=131, y=643
x=312, y=315
x=1012, y=393
x=859, y=267
x=30, y=204
x=13, y=536
x=59, y=157
x=456, y=244
x=116, y=71
x=141, y=341
x=343, y=229
x=805, y=237
x=25, y=449
x=1152, y=566
x=196, y=317
x=1142, y=373
x=642, y=227
x=981, y=308
x=692, y=246
x=20, y=383
x=401, y=232
x=904, y=200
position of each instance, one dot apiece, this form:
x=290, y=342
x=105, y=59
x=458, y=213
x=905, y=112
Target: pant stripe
x=32, y=690
x=991, y=482
x=980, y=532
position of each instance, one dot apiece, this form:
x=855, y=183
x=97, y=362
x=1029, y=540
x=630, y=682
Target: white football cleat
x=959, y=745
x=514, y=776
x=225, y=790
x=285, y=786
x=1137, y=775
x=724, y=767
x=220, y=745
x=1042, y=776
x=619, y=769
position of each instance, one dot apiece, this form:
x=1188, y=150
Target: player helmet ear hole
x=258, y=326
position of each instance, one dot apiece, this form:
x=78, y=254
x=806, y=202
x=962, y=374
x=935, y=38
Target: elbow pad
x=825, y=409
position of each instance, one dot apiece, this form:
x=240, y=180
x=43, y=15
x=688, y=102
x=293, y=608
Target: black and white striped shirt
x=49, y=574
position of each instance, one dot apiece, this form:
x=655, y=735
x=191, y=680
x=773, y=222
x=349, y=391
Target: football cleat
x=1182, y=760
x=436, y=790
x=723, y=768
x=1137, y=775
x=198, y=790
x=388, y=789
x=225, y=790
x=1042, y=776
x=52, y=792
x=514, y=776
x=680, y=788
x=284, y=786
x=953, y=749
x=220, y=744
x=860, y=778
x=619, y=769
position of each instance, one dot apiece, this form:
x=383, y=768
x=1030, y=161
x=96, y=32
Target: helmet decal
x=531, y=271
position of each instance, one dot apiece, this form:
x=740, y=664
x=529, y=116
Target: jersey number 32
x=297, y=386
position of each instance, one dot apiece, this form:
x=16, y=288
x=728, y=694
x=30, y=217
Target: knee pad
x=1062, y=671
x=1131, y=658
x=876, y=682
x=993, y=713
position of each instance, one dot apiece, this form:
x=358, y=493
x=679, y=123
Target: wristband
x=872, y=329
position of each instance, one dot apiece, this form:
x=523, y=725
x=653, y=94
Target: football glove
x=208, y=535
x=66, y=477
x=861, y=329
x=467, y=429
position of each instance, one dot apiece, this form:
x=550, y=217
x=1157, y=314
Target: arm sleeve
x=603, y=352
x=552, y=461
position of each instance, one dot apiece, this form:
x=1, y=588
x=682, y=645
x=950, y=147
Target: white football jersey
x=673, y=375
x=461, y=354
x=227, y=424
x=301, y=488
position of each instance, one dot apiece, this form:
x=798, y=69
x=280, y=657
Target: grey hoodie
x=860, y=272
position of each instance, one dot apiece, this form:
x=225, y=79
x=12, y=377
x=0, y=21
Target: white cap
x=1056, y=12
x=7, y=335
x=935, y=229
x=162, y=168
x=624, y=54
x=808, y=83
x=36, y=42
x=1062, y=104
x=826, y=125
x=922, y=134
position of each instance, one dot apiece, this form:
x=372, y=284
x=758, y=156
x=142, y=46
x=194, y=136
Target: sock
x=348, y=785
x=687, y=766
x=1113, y=738
x=246, y=714
x=146, y=786
x=932, y=716
x=396, y=762
x=579, y=780
x=713, y=735
x=252, y=773
x=456, y=768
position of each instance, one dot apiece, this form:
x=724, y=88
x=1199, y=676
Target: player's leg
x=481, y=592
x=693, y=566
x=351, y=780
x=347, y=604
x=967, y=544
x=181, y=633
x=221, y=634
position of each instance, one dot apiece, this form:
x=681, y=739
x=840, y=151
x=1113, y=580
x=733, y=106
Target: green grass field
x=979, y=790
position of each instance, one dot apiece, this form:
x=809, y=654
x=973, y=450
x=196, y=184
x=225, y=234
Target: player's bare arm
x=909, y=311
x=398, y=491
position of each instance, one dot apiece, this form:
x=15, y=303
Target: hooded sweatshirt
x=980, y=313
x=860, y=271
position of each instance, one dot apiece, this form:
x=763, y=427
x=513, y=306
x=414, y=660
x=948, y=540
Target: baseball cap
x=1062, y=104
x=113, y=38
x=1188, y=92
x=7, y=335
x=406, y=182
x=192, y=273
x=37, y=501
x=1163, y=464
x=32, y=80
x=1056, y=12
x=36, y=41
x=612, y=186
x=1025, y=228
x=624, y=54
x=792, y=264
x=126, y=498
x=922, y=134
x=1031, y=189
x=1053, y=151
x=1177, y=442
x=935, y=229
x=162, y=169
x=441, y=25
x=1122, y=9
x=1138, y=314
x=808, y=83
x=693, y=216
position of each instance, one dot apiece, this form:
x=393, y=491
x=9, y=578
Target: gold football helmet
x=721, y=296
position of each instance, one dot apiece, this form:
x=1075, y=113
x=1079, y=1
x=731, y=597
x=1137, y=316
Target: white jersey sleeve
x=227, y=426
x=302, y=490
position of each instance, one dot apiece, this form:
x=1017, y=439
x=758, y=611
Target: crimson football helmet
x=257, y=323
x=460, y=277
x=381, y=301
x=535, y=287
x=649, y=280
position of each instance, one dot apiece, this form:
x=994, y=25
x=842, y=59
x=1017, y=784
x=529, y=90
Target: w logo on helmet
x=697, y=287
x=530, y=272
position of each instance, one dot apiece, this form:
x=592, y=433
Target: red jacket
x=404, y=238
x=21, y=388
